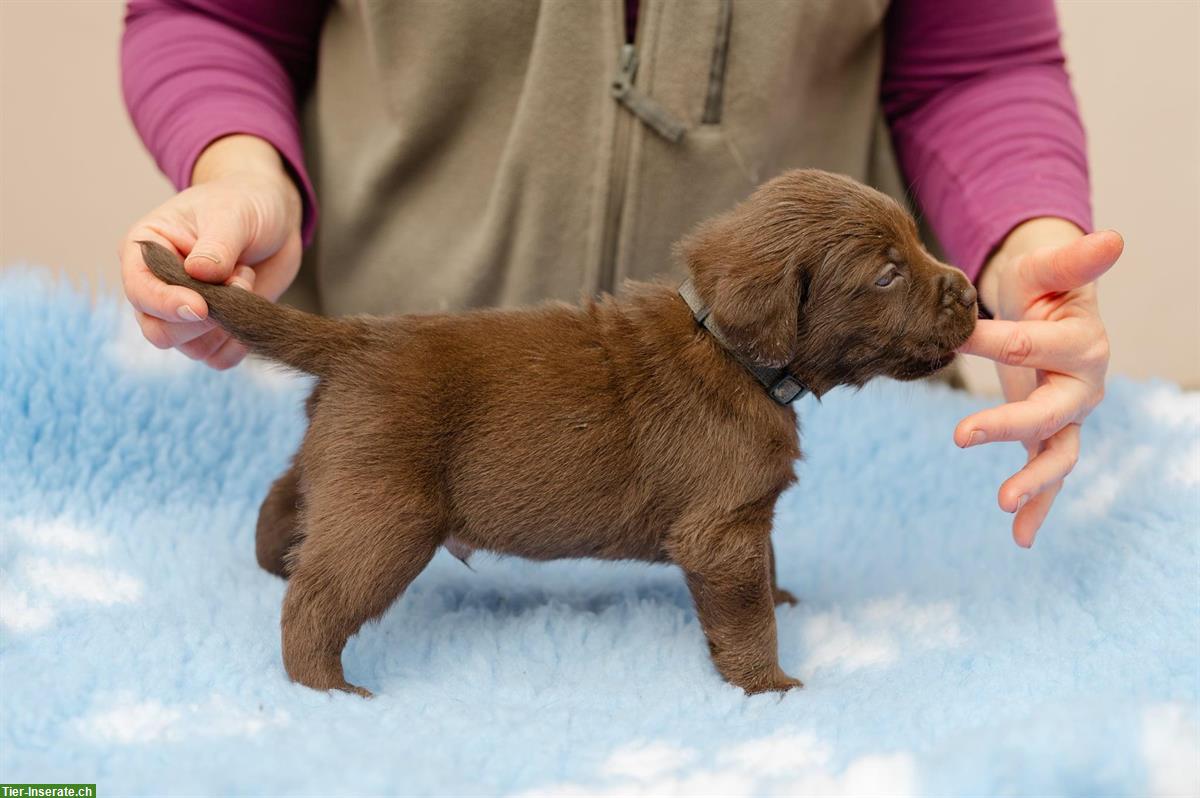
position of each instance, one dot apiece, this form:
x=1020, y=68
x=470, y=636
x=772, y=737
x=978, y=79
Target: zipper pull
x=626, y=69
x=656, y=117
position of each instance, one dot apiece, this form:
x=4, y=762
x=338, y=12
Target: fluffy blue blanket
x=140, y=641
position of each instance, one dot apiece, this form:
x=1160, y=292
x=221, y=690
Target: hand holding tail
x=310, y=343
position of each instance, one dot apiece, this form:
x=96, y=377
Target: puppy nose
x=955, y=288
x=967, y=296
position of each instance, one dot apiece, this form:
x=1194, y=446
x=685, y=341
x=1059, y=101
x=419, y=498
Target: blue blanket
x=139, y=641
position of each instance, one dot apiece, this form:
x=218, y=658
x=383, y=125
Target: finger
x=205, y=346
x=1049, y=467
x=1016, y=383
x=167, y=334
x=1031, y=517
x=274, y=274
x=228, y=356
x=1071, y=266
x=152, y=296
x=1045, y=412
x=243, y=277
x=221, y=239
x=1050, y=345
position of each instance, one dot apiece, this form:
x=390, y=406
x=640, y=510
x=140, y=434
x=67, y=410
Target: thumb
x=219, y=244
x=1072, y=266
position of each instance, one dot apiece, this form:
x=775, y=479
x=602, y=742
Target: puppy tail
x=304, y=341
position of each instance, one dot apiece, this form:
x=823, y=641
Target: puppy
x=653, y=425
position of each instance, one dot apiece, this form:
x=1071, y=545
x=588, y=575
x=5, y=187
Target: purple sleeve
x=984, y=122
x=195, y=70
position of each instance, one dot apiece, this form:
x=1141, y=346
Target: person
x=474, y=154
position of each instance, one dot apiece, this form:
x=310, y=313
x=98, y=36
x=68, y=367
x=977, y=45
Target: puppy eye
x=888, y=276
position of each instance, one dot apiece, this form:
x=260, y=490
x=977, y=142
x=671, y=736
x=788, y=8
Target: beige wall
x=1136, y=68
x=73, y=176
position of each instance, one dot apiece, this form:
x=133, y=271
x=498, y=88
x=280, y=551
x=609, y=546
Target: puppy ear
x=752, y=287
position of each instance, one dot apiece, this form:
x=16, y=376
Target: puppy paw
x=356, y=690
x=322, y=673
x=782, y=596
x=779, y=682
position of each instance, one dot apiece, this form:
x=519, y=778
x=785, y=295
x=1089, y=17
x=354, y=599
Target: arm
x=987, y=131
x=983, y=119
x=193, y=71
x=211, y=86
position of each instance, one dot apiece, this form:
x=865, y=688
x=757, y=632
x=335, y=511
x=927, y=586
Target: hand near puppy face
x=242, y=208
x=1051, y=351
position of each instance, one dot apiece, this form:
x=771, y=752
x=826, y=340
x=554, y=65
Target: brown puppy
x=619, y=429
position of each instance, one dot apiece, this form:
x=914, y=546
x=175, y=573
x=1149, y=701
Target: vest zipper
x=618, y=168
x=716, y=72
x=642, y=108
x=640, y=104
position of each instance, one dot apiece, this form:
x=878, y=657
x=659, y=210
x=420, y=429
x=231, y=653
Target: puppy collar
x=779, y=384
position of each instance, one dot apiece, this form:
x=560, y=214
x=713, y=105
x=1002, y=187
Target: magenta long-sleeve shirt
x=976, y=94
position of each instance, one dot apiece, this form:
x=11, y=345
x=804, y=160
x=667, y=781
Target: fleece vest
x=475, y=154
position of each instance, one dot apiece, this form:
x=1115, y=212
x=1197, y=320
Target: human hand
x=1051, y=351
x=242, y=211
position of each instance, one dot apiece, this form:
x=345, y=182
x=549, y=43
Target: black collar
x=780, y=385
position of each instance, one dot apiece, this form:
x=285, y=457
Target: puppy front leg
x=735, y=604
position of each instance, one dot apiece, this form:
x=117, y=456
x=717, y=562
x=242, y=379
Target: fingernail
x=241, y=278
x=187, y=314
x=1021, y=502
x=205, y=255
x=977, y=436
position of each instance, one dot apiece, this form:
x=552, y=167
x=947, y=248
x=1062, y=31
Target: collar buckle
x=786, y=390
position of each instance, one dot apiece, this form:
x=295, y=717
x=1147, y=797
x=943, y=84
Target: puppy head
x=828, y=277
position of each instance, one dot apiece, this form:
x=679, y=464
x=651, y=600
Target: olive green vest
x=475, y=153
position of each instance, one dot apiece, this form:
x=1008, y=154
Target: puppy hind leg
x=780, y=595
x=348, y=570
x=278, y=529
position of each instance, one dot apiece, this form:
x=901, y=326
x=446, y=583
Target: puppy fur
x=615, y=429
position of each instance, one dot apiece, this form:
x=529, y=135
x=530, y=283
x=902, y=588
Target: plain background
x=73, y=176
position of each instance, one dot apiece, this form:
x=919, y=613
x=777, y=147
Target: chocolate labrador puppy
x=653, y=425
